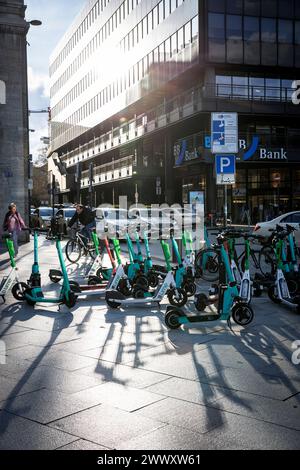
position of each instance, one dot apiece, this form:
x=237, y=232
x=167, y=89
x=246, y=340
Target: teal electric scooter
x=11, y=282
x=34, y=293
x=227, y=299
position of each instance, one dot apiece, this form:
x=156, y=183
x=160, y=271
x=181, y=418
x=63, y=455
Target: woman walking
x=13, y=223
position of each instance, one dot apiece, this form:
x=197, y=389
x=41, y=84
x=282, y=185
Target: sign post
x=225, y=145
x=224, y=133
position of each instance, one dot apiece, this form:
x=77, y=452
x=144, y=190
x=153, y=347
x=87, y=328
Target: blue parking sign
x=225, y=169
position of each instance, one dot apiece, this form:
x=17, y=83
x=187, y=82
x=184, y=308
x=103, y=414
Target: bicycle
x=263, y=260
x=79, y=245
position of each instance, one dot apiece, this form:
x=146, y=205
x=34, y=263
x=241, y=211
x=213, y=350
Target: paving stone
x=188, y=390
x=60, y=380
x=106, y=425
x=66, y=361
x=118, y=396
x=182, y=365
x=166, y=438
x=124, y=375
x=284, y=413
x=241, y=433
x=21, y=434
x=15, y=366
x=250, y=381
x=10, y=388
x=45, y=406
x=10, y=329
x=81, y=444
x=196, y=418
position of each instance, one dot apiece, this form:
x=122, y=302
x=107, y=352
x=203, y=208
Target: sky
x=56, y=16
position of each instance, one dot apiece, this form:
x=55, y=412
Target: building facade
x=14, y=142
x=133, y=86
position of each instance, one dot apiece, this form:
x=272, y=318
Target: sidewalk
x=92, y=378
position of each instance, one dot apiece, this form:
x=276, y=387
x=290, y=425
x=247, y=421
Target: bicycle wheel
x=207, y=265
x=267, y=261
x=73, y=251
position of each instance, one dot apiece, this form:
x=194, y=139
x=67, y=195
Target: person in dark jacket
x=86, y=217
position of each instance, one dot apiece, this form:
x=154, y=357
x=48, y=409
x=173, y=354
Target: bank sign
x=254, y=151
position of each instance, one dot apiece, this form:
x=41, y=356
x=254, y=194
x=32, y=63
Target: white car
x=115, y=222
x=292, y=218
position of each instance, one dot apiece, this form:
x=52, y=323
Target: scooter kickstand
x=230, y=325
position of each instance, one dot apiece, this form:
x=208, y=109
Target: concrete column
x=169, y=171
x=14, y=141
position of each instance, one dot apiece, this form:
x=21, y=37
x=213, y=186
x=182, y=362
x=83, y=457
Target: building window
x=216, y=34
x=234, y=39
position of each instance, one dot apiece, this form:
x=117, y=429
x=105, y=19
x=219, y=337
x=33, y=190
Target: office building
x=133, y=86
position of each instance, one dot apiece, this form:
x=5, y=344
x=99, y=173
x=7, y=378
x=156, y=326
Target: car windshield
x=46, y=212
x=113, y=214
x=69, y=213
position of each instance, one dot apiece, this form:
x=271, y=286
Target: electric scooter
x=229, y=304
x=279, y=292
x=176, y=296
x=96, y=274
x=34, y=293
x=11, y=282
x=246, y=284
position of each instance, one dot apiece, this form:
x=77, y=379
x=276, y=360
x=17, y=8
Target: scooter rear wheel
x=72, y=300
x=18, y=291
x=273, y=296
x=55, y=279
x=112, y=298
x=201, y=302
x=242, y=314
x=171, y=319
x=29, y=302
x=180, y=300
x=95, y=281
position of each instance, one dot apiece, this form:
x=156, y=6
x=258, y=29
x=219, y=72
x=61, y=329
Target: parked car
x=114, y=221
x=291, y=218
x=155, y=222
x=41, y=218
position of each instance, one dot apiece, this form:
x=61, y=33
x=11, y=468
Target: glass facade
x=123, y=55
x=254, y=32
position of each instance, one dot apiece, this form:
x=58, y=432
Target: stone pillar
x=14, y=141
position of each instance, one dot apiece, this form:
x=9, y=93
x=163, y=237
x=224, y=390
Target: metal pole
x=53, y=195
x=226, y=205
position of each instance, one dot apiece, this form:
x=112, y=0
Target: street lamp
x=33, y=22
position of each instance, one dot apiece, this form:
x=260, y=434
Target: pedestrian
x=13, y=223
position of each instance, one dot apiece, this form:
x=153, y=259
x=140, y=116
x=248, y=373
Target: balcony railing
x=171, y=111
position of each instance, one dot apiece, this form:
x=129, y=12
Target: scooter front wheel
x=172, y=319
x=178, y=297
x=273, y=296
x=153, y=280
x=190, y=288
x=18, y=291
x=112, y=298
x=242, y=314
